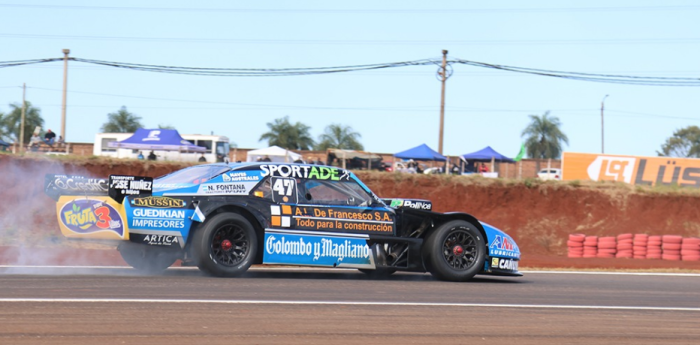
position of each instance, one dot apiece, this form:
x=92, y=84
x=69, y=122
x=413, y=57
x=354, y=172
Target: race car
x=223, y=218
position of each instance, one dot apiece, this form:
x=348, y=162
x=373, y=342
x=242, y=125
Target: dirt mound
x=540, y=216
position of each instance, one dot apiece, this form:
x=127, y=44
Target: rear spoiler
x=116, y=186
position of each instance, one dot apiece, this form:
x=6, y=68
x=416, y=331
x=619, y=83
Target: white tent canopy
x=275, y=153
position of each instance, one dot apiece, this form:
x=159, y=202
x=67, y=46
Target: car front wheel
x=455, y=251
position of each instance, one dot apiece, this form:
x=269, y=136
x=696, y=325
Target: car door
x=323, y=223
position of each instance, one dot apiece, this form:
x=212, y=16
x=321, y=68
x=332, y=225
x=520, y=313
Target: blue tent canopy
x=485, y=155
x=157, y=139
x=421, y=153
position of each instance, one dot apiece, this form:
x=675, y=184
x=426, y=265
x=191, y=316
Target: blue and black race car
x=224, y=218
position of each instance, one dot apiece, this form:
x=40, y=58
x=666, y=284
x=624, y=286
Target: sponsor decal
x=305, y=171
x=505, y=264
x=150, y=218
x=504, y=246
x=229, y=188
x=396, y=203
x=650, y=171
x=152, y=136
x=415, y=204
x=79, y=184
x=129, y=185
x=158, y=202
x=317, y=250
x=343, y=219
x=494, y=262
x=240, y=176
x=85, y=216
x=161, y=240
x=418, y=205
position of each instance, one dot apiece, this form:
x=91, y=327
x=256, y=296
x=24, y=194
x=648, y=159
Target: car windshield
x=193, y=175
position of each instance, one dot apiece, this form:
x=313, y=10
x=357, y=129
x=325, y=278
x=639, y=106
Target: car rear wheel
x=145, y=258
x=455, y=251
x=225, y=246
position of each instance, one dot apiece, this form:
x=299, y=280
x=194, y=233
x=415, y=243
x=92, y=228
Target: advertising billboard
x=636, y=170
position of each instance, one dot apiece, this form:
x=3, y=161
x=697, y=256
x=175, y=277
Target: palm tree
x=11, y=122
x=122, y=122
x=339, y=137
x=544, y=137
x=289, y=136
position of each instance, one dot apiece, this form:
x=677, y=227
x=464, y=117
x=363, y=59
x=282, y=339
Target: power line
x=626, y=41
x=359, y=11
x=594, y=77
x=277, y=72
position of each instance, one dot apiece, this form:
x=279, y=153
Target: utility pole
x=21, y=123
x=65, y=87
x=602, y=125
x=443, y=75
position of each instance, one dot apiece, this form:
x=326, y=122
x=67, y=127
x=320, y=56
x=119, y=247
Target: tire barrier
x=575, y=244
x=590, y=247
x=639, y=246
x=624, y=246
x=654, y=247
x=690, y=249
x=634, y=246
x=671, y=247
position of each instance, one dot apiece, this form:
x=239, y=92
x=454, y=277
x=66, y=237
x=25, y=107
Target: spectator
x=140, y=156
x=34, y=142
x=151, y=156
x=267, y=159
x=202, y=159
x=49, y=138
x=483, y=168
x=60, y=142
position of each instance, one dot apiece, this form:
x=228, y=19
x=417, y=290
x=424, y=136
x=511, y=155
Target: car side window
x=325, y=192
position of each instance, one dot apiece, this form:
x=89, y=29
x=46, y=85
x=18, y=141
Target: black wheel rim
x=230, y=245
x=460, y=250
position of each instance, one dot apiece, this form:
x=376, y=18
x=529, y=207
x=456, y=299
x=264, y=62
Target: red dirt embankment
x=539, y=216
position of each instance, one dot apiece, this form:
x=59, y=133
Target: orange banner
x=684, y=172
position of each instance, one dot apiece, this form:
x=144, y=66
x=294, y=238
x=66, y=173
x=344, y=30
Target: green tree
x=122, y=122
x=3, y=130
x=685, y=142
x=339, y=137
x=11, y=122
x=287, y=135
x=165, y=126
x=543, y=137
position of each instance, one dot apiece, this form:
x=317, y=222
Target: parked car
x=549, y=174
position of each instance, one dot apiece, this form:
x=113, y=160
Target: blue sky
x=393, y=109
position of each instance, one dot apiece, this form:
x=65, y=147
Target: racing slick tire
x=378, y=273
x=225, y=246
x=455, y=251
x=146, y=259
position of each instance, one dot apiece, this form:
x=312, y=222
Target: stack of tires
x=654, y=247
x=607, y=247
x=590, y=247
x=690, y=249
x=639, y=246
x=624, y=246
x=671, y=247
x=575, y=245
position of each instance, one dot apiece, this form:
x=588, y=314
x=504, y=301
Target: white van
x=217, y=148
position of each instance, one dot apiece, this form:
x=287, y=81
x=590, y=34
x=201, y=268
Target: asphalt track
x=61, y=305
